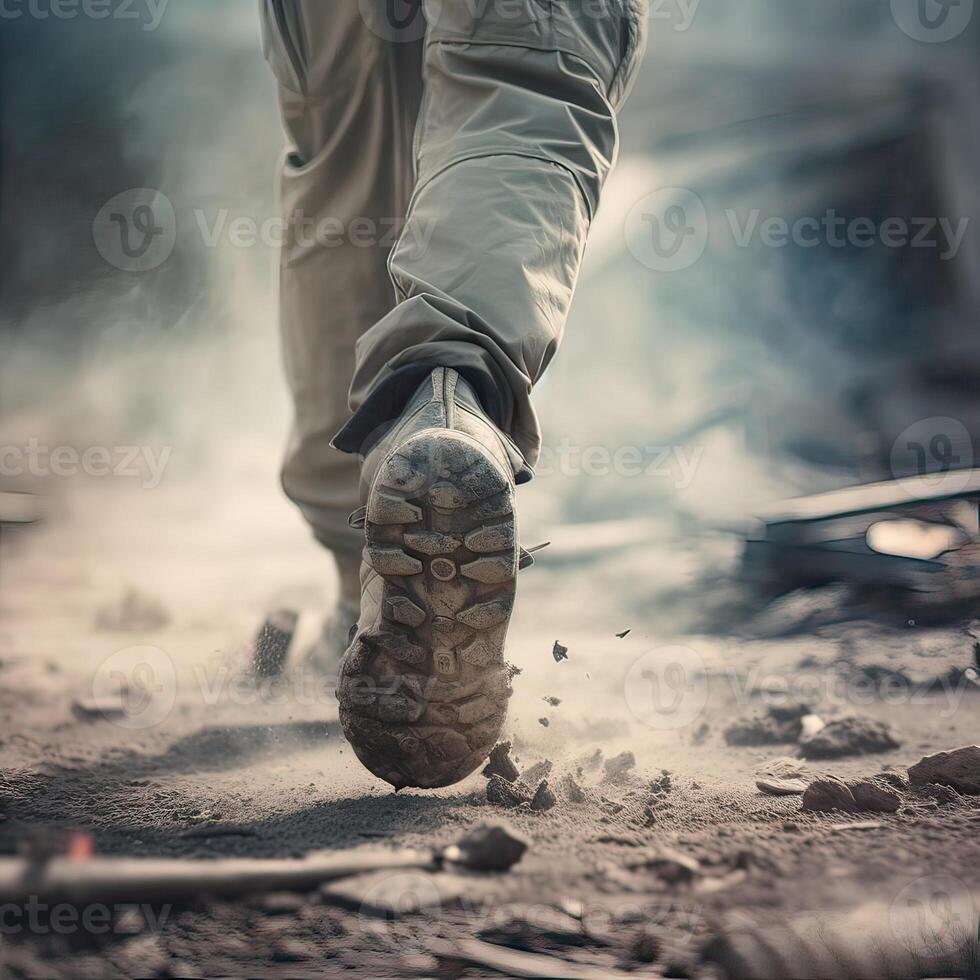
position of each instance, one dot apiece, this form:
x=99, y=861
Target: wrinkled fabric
x=485, y=129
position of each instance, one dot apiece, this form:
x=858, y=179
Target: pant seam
x=422, y=184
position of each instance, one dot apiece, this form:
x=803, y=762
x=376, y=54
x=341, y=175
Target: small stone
x=488, y=847
x=543, y=722
x=572, y=791
x=789, y=710
x=500, y=763
x=761, y=730
x=554, y=702
x=559, y=652
x=501, y=792
x=543, y=799
x=894, y=779
x=781, y=787
x=827, y=794
x=850, y=736
x=874, y=796
x=959, y=768
x=810, y=725
x=645, y=947
x=617, y=767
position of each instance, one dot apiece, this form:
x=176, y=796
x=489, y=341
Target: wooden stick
x=164, y=880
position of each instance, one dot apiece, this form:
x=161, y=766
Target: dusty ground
x=210, y=766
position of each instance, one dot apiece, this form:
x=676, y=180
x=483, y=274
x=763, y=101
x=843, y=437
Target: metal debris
x=624, y=634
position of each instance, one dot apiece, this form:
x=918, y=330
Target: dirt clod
x=941, y=794
x=854, y=735
x=500, y=763
x=537, y=772
x=554, y=702
x=827, y=794
x=543, y=722
x=571, y=790
x=543, y=799
x=559, y=652
x=959, y=768
x=500, y=792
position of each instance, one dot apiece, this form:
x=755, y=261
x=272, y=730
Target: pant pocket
x=284, y=42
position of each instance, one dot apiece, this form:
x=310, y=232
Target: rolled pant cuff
x=386, y=402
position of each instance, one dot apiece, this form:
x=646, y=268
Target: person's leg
x=349, y=92
x=516, y=137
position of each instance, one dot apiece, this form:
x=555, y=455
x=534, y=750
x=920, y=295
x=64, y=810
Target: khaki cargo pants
x=446, y=159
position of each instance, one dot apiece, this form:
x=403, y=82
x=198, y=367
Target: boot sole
x=423, y=692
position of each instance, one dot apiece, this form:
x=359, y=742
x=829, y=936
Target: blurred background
x=818, y=162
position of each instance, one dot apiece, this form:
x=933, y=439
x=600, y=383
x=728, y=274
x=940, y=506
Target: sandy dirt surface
x=642, y=873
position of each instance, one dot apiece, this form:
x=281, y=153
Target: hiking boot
x=424, y=687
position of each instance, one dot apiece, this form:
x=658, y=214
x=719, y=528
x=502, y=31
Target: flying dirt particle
x=544, y=722
x=874, y=796
x=537, y=772
x=543, y=799
x=617, y=767
x=134, y=612
x=500, y=792
x=500, y=763
x=700, y=734
x=554, y=702
x=959, y=768
x=827, y=794
x=488, y=847
x=559, y=652
x=854, y=735
x=105, y=709
x=622, y=636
